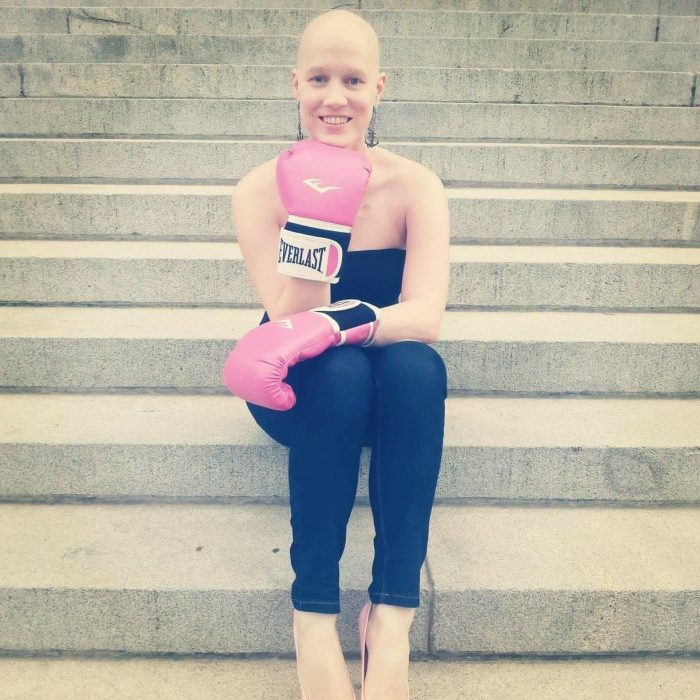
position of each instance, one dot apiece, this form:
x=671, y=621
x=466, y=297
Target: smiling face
x=337, y=79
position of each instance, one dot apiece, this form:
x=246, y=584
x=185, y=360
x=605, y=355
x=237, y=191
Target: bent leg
x=324, y=432
x=411, y=386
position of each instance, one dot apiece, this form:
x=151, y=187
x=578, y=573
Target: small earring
x=300, y=136
x=371, y=133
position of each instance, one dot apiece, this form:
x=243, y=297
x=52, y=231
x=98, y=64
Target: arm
x=300, y=295
x=424, y=290
x=258, y=363
x=257, y=215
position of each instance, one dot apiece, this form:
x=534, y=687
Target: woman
x=389, y=395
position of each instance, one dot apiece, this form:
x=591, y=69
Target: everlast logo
x=312, y=258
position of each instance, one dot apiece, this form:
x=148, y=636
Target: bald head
x=339, y=31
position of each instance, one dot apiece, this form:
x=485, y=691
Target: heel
x=296, y=649
x=364, y=655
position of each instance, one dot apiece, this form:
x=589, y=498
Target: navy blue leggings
x=390, y=398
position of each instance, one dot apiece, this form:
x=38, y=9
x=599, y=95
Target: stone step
x=447, y=52
x=468, y=85
x=424, y=121
x=176, y=350
x=406, y=23
x=499, y=450
x=628, y=7
x=483, y=277
x=224, y=161
x=136, y=678
x=215, y=578
x=670, y=7
x=648, y=6
x=477, y=215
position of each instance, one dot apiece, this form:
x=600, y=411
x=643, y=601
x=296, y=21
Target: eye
x=358, y=81
x=317, y=76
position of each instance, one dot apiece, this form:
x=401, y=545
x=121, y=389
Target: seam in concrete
x=693, y=88
x=157, y=614
x=603, y=395
x=84, y=15
x=457, y=502
x=690, y=218
x=604, y=656
x=222, y=391
x=430, y=608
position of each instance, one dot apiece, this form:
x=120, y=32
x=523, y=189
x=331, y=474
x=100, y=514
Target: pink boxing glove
x=321, y=187
x=256, y=366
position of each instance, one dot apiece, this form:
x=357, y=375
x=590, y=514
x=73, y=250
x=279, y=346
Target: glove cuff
x=355, y=322
x=375, y=326
x=312, y=249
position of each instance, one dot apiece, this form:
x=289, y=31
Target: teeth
x=335, y=120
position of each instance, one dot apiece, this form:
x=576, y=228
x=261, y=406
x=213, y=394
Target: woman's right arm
x=258, y=214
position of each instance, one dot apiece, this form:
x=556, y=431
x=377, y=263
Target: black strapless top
x=369, y=275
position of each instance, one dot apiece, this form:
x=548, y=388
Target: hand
x=321, y=187
x=256, y=366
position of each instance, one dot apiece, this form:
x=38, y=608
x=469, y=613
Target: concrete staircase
x=144, y=516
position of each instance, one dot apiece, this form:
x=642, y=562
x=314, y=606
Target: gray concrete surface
x=609, y=366
x=477, y=215
x=481, y=277
x=574, y=528
x=204, y=578
x=515, y=450
x=406, y=22
x=276, y=679
x=423, y=121
x=450, y=52
x=469, y=85
x=666, y=7
x=225, y=160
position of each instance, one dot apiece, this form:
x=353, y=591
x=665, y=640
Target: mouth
x=335, y=121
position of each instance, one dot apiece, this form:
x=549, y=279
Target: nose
x=334, y=95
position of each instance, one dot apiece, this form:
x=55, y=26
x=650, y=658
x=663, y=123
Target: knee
x=339, y=382
x=412, y=365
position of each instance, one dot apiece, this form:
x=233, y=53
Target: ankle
x=308, y=621
x=390, y=627
x=392, y=616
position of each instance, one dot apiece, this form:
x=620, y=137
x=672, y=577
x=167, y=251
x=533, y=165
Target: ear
x=295, y=82
x=381, y=82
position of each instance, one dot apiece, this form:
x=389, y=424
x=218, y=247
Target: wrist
x=312, y=249
x=375, y=327
x=354, y=322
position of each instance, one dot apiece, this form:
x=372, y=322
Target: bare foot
x=388, y=649
x=322, y=668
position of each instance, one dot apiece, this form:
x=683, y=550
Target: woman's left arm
x=426, y=277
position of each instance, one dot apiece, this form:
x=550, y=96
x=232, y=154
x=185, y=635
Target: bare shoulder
x=413, y=178
x=259, y=188
x=418, y=177
x=259, y=174
x=423, y=198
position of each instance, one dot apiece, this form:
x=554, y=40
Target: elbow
x=432, y=336
x=273, y=314
x=435, y=328
x=430, y=325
